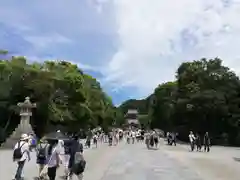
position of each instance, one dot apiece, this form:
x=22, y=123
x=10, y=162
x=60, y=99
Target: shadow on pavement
x=236, y=159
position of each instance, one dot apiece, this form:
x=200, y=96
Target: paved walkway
x=135, y=162
x=222, y=163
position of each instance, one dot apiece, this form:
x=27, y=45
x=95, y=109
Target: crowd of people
x=196, y=142
x=51, y=153
x=54, y=151
x=67, y=151
x=151, y=137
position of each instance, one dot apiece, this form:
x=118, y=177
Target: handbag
x=79, y=164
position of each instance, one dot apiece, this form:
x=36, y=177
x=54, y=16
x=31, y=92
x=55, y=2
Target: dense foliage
x=140, y=105
x=63, y=93
x=204, y=97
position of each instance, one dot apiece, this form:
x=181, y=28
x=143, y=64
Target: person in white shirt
x=60, y=147
x=64, y=156
x=21, y=154
x=138, y=135
x=192, y=140
x=133, y=136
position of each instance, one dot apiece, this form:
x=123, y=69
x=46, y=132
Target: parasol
x=56, y=136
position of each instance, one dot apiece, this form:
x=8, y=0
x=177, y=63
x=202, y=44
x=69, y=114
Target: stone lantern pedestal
x=24, y=127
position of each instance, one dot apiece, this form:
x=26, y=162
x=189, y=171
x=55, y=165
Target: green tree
x=204, y=97
x=64, y=95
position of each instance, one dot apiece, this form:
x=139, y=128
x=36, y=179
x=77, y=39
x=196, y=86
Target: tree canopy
x=140, y=105
x=204, y=97
x=63, y=93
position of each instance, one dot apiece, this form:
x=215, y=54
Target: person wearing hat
x=21, y=154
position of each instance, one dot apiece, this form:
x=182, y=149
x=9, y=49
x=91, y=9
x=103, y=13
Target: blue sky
x=129, y=46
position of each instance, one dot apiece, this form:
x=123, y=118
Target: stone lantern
x=26, y=113
x=24, y=127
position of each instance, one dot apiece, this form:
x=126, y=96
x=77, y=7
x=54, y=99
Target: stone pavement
x=221, y=163
x=135, y=162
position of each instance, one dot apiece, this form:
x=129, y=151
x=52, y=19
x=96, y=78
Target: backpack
x=17, y=153
x=79, y=147
x=42, y=153
x=79, y=167
x=79, y=164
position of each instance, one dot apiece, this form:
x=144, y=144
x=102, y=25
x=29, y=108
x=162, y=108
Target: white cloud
x=99, y=4
x=48, y=21
x=73, y=30
x=156, y=36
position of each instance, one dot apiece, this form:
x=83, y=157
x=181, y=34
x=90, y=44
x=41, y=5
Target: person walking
x=147, y=140
x=66, y=156
x=168, y=138
x=53, y=159
x=174, y=138
x=88, y=142
x=110, y=138
x=116, y=138
x=128, y=137
x=120, y=135
x=155, y=139
x=151, y=141
x=198, y=142
x=95, y=140
x=133, y=135
x=21, y=154
x=77, y=162
x=192, y=140
x=206, y=142
x=42, y=151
